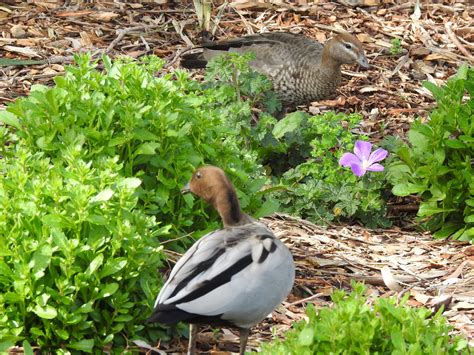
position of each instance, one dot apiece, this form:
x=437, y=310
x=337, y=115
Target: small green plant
x=351, y=326
x=437, y=163
x=316, y=187
x=78, y=259
x=396, y=47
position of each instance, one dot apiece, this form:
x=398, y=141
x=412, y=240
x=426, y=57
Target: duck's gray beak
x=186, y=189
x=362, y=60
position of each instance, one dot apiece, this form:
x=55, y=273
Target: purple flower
x=363, y=160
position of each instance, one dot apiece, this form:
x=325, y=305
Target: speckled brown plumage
x=302, y=70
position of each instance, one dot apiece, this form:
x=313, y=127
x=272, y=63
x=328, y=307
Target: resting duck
x=233, y=276
x=301, y=69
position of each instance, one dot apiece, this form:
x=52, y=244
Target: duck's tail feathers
x=170, y=314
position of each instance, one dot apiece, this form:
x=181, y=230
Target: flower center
x=365, y=164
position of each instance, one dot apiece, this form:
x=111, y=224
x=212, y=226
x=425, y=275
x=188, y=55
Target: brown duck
x=234, y=276
x=301, y=69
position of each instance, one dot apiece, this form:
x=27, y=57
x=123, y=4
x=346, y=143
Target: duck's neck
x=228, y=206
x=329, y=66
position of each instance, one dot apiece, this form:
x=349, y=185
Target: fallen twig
x=456, y=41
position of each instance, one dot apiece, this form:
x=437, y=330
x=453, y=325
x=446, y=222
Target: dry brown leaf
x=105, y=16
x=420, y=297
x=17, y=31
x=464, y=305
x=469, y=250
x=77, y=13
x=28, y=52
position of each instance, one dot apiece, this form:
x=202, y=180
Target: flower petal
x=348, y=158
x=377, y=155
x=358, y=170
x=362, y=150
x=375, y=167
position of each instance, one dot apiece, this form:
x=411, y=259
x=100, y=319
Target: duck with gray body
x=234, y=276
x=302, y=70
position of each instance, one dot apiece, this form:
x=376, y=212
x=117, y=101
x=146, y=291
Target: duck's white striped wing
x=205, y=279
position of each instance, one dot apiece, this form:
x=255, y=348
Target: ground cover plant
x=352, y=326
x=78, y=259
x=437, y=162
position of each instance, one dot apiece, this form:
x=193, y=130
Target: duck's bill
x=186, y=189
x=363, y=62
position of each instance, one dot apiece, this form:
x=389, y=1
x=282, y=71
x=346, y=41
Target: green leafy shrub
x=161, y=128
x=316, y=186
x=78, y=259
x=351, y=326
x=437, y=163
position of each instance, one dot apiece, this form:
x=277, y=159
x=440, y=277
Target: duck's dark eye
x=198, y=175
x=348, y=45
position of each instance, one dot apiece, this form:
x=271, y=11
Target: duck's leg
x=244, y=335
x=193, y=331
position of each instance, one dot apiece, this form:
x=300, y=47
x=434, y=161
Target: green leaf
x=40, y=261
x=446, y=231
x=46, y=312
x=268, y=207
x=397, y=339
x=85, y=345
x=306, y=337
x=9, y=119
x=113, y=266
x=130, y=183
x=95, y=264
x=469, y=219
x=123, y=318
x=117, y=141
x=144, y=135
x=60, y=240
x=455, y=144
x=405, y=189
x=63, y=334
x=27, y=349
x=148, y=148
x=108, y=290
x=429, y=209
x=288, y=124
x=7, y=62
x=435, y=90
x=462, y=72
x=103, y=196
x=53, y=221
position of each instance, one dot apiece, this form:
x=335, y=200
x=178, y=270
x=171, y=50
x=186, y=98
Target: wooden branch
x=456, y=41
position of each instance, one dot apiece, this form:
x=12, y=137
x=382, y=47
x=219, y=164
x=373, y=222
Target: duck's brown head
x=208, y=182
x=345, y=48
x=212, y=185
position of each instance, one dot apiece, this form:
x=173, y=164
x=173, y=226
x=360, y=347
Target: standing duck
x=234, y=276
x=301, y=69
